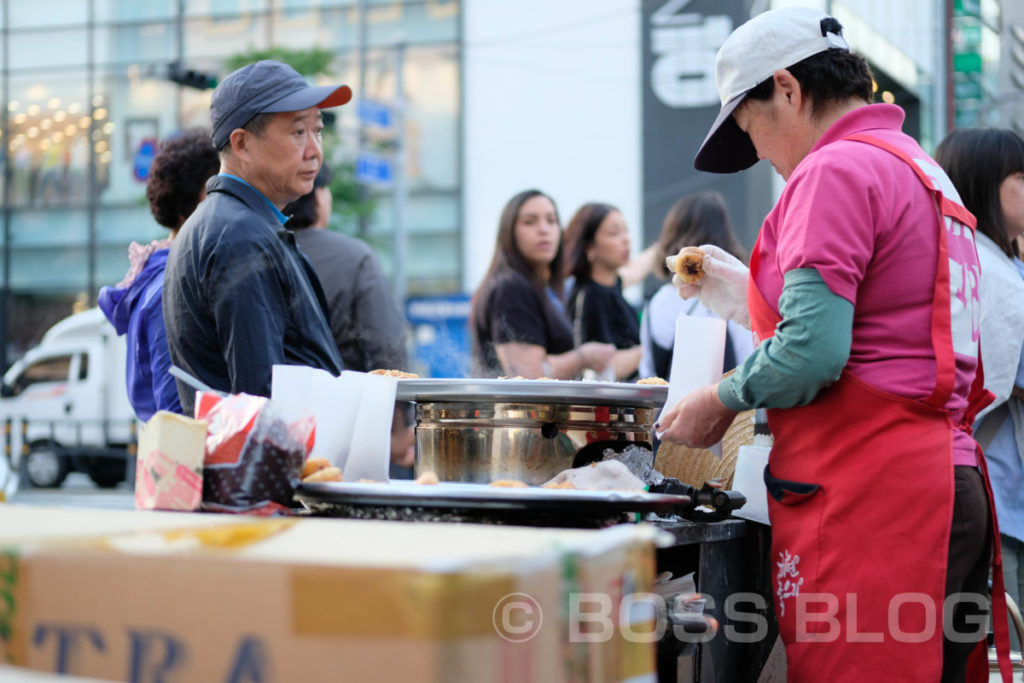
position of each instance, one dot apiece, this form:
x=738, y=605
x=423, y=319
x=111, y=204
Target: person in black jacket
x=238, y=296
x=598, y=246
x=367, y=324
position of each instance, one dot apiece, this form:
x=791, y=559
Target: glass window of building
x=88, y=92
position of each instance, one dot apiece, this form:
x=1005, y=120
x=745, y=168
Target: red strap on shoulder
x=946, y=205
x=941, y=328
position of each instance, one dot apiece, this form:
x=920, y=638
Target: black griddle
x=458, y=502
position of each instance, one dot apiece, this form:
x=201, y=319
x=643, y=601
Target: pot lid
x=531, y=390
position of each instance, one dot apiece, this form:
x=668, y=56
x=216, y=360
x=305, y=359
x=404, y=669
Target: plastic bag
x=640, y=462
x=255, y=449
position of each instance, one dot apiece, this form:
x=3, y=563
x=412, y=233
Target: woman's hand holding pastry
x=698, y=420
x=720, y=282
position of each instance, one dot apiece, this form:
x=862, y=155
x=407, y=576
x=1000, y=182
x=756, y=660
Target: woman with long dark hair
x=597, y=240
x=519, y=326
x=987, y=168
x=697, y=219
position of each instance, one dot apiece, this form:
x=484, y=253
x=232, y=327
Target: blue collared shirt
x=277, y=212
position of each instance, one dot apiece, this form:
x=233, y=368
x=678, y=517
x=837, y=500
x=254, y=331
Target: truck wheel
x=44, y=466
x=108, y=473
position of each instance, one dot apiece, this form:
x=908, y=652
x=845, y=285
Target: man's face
x=324, y=204
x=283, y=162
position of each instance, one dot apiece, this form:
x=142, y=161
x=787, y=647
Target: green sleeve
x=807, y=353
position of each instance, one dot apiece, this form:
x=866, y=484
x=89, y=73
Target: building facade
x=87, y=93
x=497, y=97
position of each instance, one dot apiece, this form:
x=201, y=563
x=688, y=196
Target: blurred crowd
x=552, y=305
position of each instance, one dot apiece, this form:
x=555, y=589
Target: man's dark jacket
x=240, y=298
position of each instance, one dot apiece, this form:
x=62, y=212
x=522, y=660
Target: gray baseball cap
x=266, y=87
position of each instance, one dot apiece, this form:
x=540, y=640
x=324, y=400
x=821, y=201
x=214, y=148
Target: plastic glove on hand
x=698, y=420
x=723, y=289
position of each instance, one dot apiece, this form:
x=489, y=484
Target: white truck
x=65, y=406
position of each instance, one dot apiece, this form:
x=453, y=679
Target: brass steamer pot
x=478, y=430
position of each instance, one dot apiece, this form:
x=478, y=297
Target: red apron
x=861, y=507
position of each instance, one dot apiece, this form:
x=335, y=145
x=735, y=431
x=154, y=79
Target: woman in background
x=697, y=219
x=987, y=168
x=517, y=318
x=597, y=240
x=177, y=183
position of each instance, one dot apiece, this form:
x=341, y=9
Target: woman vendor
x=862, y=294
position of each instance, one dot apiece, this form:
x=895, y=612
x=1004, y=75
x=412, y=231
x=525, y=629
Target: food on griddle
x=508, y=484
x=400, y=374
x=329, y=473
x=314, y=465
x=428, y=479
x=652, y=380
x=559, y=485
x=689, y=265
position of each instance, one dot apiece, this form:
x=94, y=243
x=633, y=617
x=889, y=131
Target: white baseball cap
x=773, y=40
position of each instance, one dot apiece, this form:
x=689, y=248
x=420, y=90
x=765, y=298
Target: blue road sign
x=143, y=159
x=375, y=114
x=372, y=169
x=441, y=335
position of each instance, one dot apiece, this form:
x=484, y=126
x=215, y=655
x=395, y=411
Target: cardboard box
x=24, y=525
x=320, y=600
x=15, y=674
x=169, y=471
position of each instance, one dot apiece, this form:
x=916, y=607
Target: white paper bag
x=369, y=452
x=697, y=357
x=353, y=416
x=321, y=393
x=749, y=480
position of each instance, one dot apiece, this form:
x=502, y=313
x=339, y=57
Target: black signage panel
x=680, y=101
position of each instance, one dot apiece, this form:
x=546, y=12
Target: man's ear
x=239, y=141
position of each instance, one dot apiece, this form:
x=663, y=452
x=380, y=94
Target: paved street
x=77, y=491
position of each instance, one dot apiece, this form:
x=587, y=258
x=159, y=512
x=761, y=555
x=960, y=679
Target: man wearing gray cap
x=862, y=294
x=238, y=296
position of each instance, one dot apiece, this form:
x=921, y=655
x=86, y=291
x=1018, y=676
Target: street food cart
x=371, y=578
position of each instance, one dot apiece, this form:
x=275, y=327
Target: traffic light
x=182, y=75
x=328, y=117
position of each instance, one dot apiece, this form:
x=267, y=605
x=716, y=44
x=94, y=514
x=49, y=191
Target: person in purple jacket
x=177, y=183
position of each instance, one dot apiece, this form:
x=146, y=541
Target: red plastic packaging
x=255, y=449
